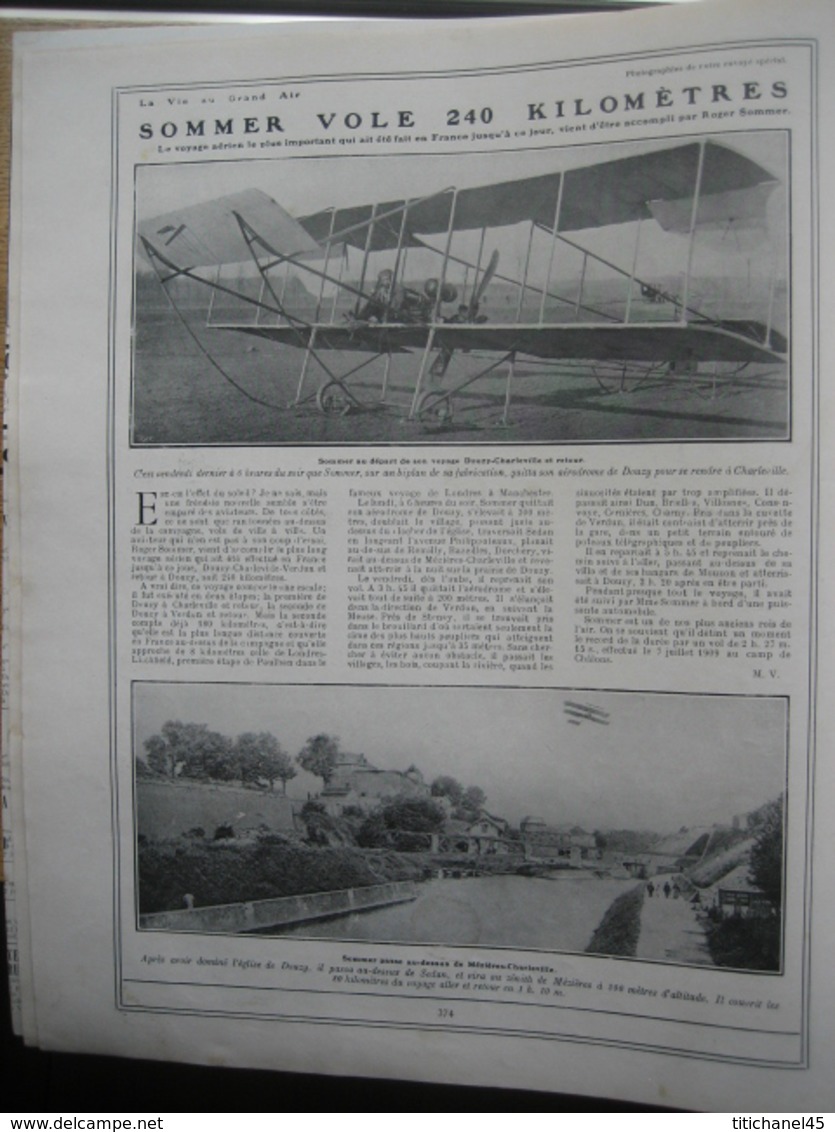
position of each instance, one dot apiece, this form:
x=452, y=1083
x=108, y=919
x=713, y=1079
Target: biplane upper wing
x=737, y=207
x=209, y=234
x=611, y=192
x=658, y=184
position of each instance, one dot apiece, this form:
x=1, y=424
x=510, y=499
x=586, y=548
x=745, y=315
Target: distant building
x=356, y=782
x=736, y=895
x=636, y=866
x=547, y=842
x=486, y=825
x=488, y=835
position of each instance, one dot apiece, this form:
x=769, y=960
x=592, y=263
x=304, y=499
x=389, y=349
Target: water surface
x=555, y=914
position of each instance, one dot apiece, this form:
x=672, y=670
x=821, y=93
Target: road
x=670, y=931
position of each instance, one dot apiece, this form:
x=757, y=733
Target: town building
x=487, y=835
x=545, y=842
x=357, y=782
x=736, y=895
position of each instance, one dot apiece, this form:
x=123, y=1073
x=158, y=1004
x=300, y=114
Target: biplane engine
x=449, y=292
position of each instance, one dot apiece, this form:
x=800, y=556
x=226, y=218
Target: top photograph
x=631, y=292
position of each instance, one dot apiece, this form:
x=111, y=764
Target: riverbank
x=285, y=911
x=183, y=871
x=265, y=866
x=618, y=931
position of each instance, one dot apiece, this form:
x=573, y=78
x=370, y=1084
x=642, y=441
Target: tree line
x=193, y=751
x=765, y=867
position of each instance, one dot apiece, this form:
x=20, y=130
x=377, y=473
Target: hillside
x=168, y=809
x=716, y=865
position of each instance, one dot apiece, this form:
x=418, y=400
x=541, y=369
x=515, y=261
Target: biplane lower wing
x=695, y=341
x=393, y=338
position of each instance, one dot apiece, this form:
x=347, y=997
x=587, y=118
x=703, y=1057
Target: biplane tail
x=211, y=234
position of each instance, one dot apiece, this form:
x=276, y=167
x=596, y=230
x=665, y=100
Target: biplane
x=428, y=276
x=578, y=713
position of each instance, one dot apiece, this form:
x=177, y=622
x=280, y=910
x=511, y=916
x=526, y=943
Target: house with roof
x=489, y=834
x=548, y=842
x=486, y=835
x=357, y=782
x=735, y=894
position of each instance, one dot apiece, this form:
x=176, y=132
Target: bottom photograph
x=633, y=824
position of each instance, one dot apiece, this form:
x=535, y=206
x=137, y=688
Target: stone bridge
x=475, y=844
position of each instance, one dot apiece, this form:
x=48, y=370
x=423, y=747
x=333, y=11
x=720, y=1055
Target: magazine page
x=419, y=458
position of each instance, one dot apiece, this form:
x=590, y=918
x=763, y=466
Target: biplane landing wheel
x=333, y=401
x=627, y=376
x=719, y=380
x=434, y=410
x=683, y=367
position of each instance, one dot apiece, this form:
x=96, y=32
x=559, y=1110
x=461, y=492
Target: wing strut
x=307, y=332
x=694, y=214
x=156, y=258
x=424, y=361
x=553, y=250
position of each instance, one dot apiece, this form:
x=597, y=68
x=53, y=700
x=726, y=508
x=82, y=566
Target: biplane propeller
x=654, y=330
x=467, y=312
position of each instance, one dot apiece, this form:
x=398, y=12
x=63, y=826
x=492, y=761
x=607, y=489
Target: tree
x=471, y=804
x=212, y=758
x=445, y=786
x=190, y=750
x=466, y=802
x=474, y=798
x=766, y=864
x=161, y=757
x=402, y=815
x=284, y=770
x=260, y=757
x=417, y=815
x=319, y=755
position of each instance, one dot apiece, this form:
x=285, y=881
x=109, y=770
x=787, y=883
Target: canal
x=557, y=913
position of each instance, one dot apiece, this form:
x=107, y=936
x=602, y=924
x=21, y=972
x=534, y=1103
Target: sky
x=662, y=762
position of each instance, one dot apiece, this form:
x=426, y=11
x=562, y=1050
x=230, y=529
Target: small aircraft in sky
x=585, y=713
x=352, y=282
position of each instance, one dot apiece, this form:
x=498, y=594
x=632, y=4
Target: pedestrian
x=666, y=890
x=650, y=889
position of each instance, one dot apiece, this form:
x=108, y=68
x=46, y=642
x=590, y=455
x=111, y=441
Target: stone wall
x=284, y=911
